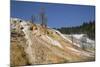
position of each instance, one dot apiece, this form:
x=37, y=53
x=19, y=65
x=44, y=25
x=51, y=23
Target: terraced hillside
x=33, y=44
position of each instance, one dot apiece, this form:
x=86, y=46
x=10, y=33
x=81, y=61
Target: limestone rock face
x=33, y=44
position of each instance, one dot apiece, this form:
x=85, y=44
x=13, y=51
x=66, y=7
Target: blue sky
x=59, y=15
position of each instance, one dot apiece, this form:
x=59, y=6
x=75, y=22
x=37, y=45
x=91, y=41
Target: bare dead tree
x=32, y=18
x=43, y=18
